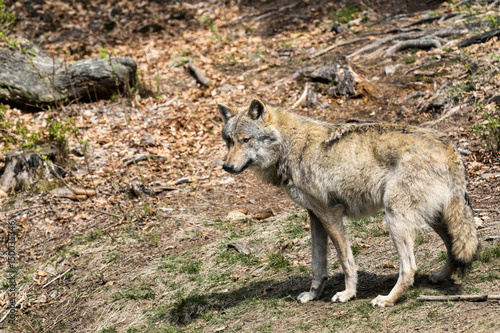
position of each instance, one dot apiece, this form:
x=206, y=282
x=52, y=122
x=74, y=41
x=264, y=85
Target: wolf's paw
x=437, y=277
x=343, y=296
x=306, y=296
x=382, y=302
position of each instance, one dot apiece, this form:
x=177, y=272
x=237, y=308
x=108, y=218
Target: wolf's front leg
x=334, y=226
x=319, y=263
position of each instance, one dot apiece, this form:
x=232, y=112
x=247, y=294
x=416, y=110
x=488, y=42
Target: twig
x=271, y=12
x=302, y=97
x=198, y=75
x=106, y=213
x=431, y=63
x=447, y=114
x=487, y=210
x=337, y=44
x=115, y=224
x=491, y=238
x=8, y=310
x=465, y=298
x=57, y=277
x=142, y=157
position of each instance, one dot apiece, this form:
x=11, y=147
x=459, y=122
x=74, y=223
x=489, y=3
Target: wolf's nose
x=228, y=167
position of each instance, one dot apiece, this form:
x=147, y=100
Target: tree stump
x=23, y=168
x=32, y=78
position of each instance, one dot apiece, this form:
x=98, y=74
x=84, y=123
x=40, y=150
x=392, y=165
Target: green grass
x=489, y=277
x=345, y=15
x=489, y=253
x=191, y=267
x=294, y=224
x=231, y=257
x=135, y=293
x=278, y=261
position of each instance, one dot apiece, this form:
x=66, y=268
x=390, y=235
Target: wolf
x=339, y=171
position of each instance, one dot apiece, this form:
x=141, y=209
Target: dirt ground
x=150, y=250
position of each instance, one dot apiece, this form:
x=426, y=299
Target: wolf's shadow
x=370, y=285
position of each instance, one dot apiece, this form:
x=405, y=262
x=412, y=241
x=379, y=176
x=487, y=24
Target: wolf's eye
x=245, y=140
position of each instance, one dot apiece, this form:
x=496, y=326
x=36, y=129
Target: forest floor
x=150, y=248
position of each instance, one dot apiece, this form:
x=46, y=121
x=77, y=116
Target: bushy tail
x=459, y=220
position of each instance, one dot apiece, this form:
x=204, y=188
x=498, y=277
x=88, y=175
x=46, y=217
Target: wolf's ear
x=225, y=112
x=257, y=110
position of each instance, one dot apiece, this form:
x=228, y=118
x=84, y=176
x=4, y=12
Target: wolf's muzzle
x=229, y=167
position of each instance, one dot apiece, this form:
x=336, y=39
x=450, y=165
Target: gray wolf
x=350, y=170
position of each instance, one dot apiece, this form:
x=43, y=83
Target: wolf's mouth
x=231, y=169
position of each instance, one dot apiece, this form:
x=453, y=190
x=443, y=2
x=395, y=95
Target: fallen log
x=32, y=78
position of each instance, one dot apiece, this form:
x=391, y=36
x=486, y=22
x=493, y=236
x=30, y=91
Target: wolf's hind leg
x=319, y=263
x=402, y=232
x=449, y=267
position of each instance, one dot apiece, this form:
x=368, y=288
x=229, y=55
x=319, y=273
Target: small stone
x=235, y=215
x=478, y=221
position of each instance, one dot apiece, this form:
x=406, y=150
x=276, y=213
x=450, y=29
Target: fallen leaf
x=263, y=214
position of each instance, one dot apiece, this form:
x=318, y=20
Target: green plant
x=135, y=293
x=494, y=23
x=191, y=267
x=6, y=21
x=278, y=261
x=489, y=253
x=410, y=60
x=489, y=129
x=442, y=256
x=345, y=15
x=355, y=250
x=104, y=53
x=294, y=224
x=489, y=277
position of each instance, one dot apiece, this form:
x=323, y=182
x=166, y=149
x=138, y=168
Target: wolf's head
x=251, y=139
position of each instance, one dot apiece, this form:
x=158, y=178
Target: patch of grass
x=242, y=234
x=420, y=239
x=94, y=235
x=489, y=253
x=442, y=256
x=489, y=277
x=364, y=308
x=135, y=293
x=278, y=261
x=345, y=15
x=232, y=257
x=111, y=329
x=410, y=59
x=494, y=22
x=191, y=267
x=265, y=328
x=355, y=250
x=489, y=128
x=112, y=257
x=180, y=61
x=294, y=224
